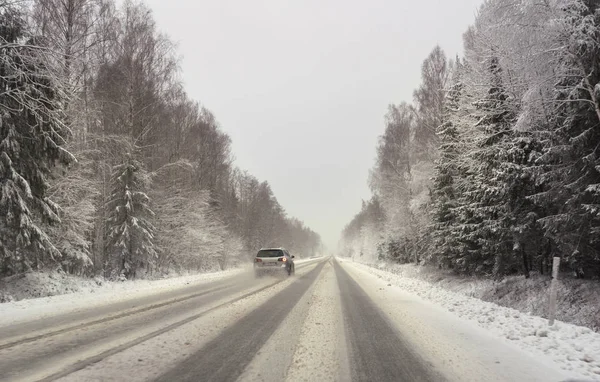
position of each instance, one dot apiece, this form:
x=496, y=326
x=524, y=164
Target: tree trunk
x=526, y=269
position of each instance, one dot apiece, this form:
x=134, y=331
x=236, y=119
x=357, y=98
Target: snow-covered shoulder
x=573, y=349
x=89, y=294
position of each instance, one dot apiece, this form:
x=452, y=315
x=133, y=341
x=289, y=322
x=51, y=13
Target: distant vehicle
x=274, y=260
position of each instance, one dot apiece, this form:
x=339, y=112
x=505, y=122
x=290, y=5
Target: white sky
x=302, y=86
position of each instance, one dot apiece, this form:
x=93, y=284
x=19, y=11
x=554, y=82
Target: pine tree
x=506, y=227
x=131, y=238
x=571, y=159
x=486, y=216
x=32, y=134
x=444, y=192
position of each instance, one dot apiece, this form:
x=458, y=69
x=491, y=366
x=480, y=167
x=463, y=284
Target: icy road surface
x=332, y=321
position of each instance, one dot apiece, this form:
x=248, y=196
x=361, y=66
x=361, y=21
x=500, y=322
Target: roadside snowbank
x=574, y=349
x=148, y=360
x=34, y=285
x=578, y=300
x=66, y=294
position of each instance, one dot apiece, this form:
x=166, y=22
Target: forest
x=494, y=168
x=107, y=167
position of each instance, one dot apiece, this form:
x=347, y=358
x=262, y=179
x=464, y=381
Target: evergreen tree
x=31, y=135
x=571, y=157
x=487, y=217
x=444, y=192
x=131, y=239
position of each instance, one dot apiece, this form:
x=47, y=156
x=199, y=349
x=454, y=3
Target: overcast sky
x=302, y=86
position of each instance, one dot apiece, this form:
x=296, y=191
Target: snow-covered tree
x=190, y=237
x=518, y=177
x=389, y=179
x=445, y=193
x=571, y=160
x=489, y=224
x=101, y=81
x=429, y=104
x=131, y=234
x=486, y=188
x=364, y=235
x=190, y=234
x=32, y=133
x=77, y=192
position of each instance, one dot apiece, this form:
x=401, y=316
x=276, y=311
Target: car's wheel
x=257, y=274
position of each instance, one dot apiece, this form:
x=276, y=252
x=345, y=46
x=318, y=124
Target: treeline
x=106, y=165
x=495, y=167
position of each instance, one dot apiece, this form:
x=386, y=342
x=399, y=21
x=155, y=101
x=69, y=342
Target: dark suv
x=273, y=260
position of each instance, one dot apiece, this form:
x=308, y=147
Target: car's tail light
x=282, y=259
x=257, y=260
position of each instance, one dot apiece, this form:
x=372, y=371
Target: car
x=274, y=260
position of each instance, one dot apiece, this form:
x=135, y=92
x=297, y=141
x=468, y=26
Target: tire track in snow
x=377, y=352
x=225, y=357
x=87, y=324
x=77, y=359
x=321, y=354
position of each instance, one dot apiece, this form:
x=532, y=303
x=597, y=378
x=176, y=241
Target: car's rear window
x=270, y=253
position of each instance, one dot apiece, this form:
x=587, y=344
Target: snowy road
x=332, y=321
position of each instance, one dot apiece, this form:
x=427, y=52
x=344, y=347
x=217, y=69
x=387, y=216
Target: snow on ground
x=66, y=294
x=574, y=349
x=320, y=353
x=272, y=360
x=149, y=359
x=90, y=294
x=578, y=301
